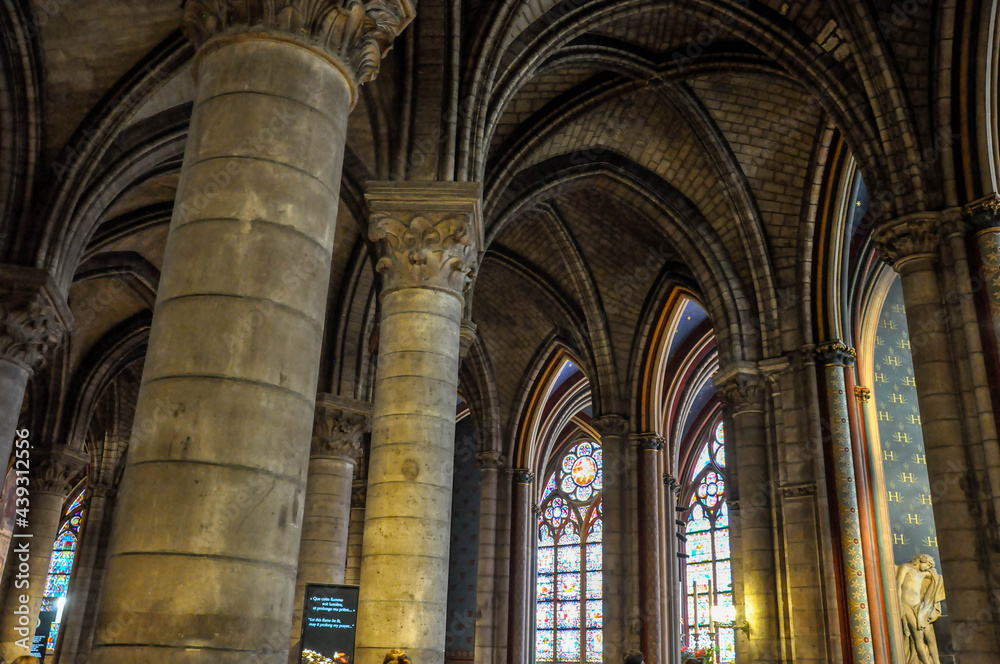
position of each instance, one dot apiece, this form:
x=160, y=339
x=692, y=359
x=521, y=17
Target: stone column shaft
x=617, y=505
x=837, y=357
x=651, y=528
x=486, y=591
x=911, y=245
x=428, y=236
x=521, y=628
x=336, y=451
x=675, y=592
x=743, y=393
x=204, y=568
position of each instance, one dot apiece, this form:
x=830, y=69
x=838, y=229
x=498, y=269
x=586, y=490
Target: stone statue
x=921, y=590
x=396, y=657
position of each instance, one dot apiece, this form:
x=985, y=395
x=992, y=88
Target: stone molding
x=611, y=425
x=908, y=238
x=338, y=432
x=427, y=235
x=101, y=490
x=797, y=490
x=490, y=459
x=357, y=32
x=772, y=369
x=34, y=316
x=741, y=387
x=359, y=494
x=836, y=352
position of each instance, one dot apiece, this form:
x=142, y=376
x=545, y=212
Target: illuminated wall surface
x=904, y=464
x=464, y=560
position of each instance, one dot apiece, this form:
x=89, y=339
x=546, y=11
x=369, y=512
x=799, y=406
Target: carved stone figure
x=921, y=590
x=396, y=657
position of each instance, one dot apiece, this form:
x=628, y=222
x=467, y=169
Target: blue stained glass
x=546, y=560
x=727, y=644
x=568, y=645
x=723, y=599
x=544, y=647
x=722, y=521
x=724, y=576
x=596, y=531
x=698, y=522
x=567, y=484
x=56, y=585
x=595, y=556
x=76, y=503
x=61, y=562
x=569, y=558
x=584, y=450
x=567, y=462
x=546, y=587
x=569, y=535
x=65, y=542
x=595, y=646
x=720, y=455
x=568, y=615
x=53, y=633
x=545, y=616
x=699, y=573
x=549, y=488
x=545, y=536
x=49, y=604
x=720, y=433
x=595, y=613
x=699, y=547
x=568, y=586
x=721, y=544
x=75, y=522
x=595, y=585
x=704, y=459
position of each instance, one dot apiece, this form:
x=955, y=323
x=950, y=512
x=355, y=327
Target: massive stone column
x=31, y=548
x=522, y=574
x=33, y=318
x=911, y=245
x=621, y=632
x=428, y=237
x=837, y=358
x=651, y=528
x=338, y=431
x=742, y=390
x=203, y=559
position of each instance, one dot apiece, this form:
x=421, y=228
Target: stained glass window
x=569, y=613
x=61, y=566
x=709, y=570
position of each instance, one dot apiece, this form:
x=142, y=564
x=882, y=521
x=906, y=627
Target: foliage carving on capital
x=913, y=236
x=425, y=249
x=339, y=433
x=652, y=442
x=611, y=425
x=54, y=470
x=741, y=388
x=358, y=32
x=836, y=352
x=491, y=459
x=29, y=328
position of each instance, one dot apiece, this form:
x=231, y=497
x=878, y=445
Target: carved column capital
x=611, y=425
x=358, y=33
x=54, y=470
x=652, y=442
x=427, y=234
x=34, y=316
x=862, y=394
x=741, y=387
x=490, y=459
x=984, y=214
x=522, y=476
x=836, y=352
x=339, y=429
x=101, y=490
x=909, y=238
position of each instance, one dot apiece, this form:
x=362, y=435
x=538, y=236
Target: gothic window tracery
x=569, y=610
x=64, y=552
x=709, y=566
